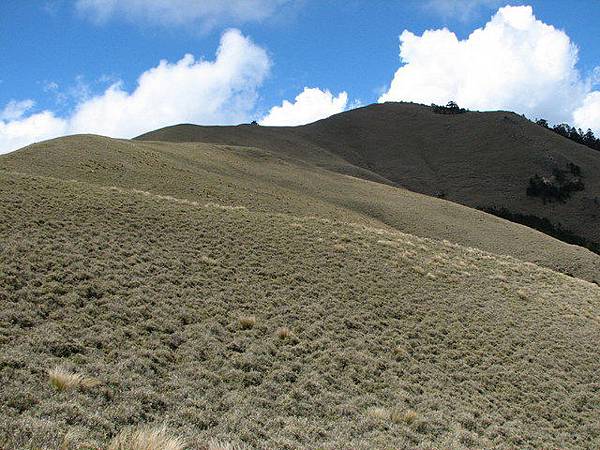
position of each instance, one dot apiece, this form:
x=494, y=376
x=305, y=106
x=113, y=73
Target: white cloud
x=205, y=13
x=223, y=91
x=514, y=62
x=37, y=127
x=309, y=106
x=15, y=110
x=588, y=114
x=210, y=92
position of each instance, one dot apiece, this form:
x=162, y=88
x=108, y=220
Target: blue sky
x=58, y=58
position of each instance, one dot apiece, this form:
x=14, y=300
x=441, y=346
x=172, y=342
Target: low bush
x=559, y=186
x=545, y=226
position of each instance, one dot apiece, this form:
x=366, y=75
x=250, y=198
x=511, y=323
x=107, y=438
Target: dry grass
x=419, y=270
x=63, y=379
x=209, y=260
x=339, y=248
x=283, y=332
x=400, y=352
x=221, y=445
x=112, y=284
x=247, y=322
x=380, y=414
x=146, y=438
x=403, y=416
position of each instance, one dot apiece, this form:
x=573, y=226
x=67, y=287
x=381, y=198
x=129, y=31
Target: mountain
x=478, y=159
x=279, y=294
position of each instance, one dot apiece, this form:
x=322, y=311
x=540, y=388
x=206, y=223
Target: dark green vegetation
x=559, y=186
x=450, y=108
x=575, y=134
x=545, y=226
x=476, y=159
x=261, y=298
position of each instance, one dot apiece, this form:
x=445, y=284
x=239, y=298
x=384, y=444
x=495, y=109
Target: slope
x=394, y=340
x=277, y=183
x=476, y=159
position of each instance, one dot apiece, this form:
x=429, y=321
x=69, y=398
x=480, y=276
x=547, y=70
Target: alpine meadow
x=185, y=266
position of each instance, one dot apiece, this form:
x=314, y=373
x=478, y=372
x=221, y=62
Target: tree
x=453, y=106
x=588, y=138
x=543, y=123
x=450, y=108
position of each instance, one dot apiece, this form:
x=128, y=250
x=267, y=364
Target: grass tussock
x=380, y=414
x=247, y=322
x=63, y=379
x=399, y=416
x=146, y=438
x=419, y=270
x=339, y=248
x=208, y=260
x=283, y=333
x=400, y=352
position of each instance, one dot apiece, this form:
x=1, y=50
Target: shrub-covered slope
x=171, y=311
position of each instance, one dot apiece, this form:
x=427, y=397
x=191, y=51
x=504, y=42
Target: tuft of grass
x=419, y=270
x=400, y=352
x=209, y=260
x=339, y=248
x=283, y=332
x=499, y=277
x=403, y=416
x=247, y=322
x=379, y=413
x=146, y=439
x=63, y=380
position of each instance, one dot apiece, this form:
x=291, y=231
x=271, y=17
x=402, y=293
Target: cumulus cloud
x=209, y=92
x=223, y=91
x=514, y=62
x=205, y=13
x=309, y=106
x=17, y=133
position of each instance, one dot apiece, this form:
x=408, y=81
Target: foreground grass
x=359, y=337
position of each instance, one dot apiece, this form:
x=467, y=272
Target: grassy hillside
x=227, y=324
x=271, y=182
x=476, y=159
